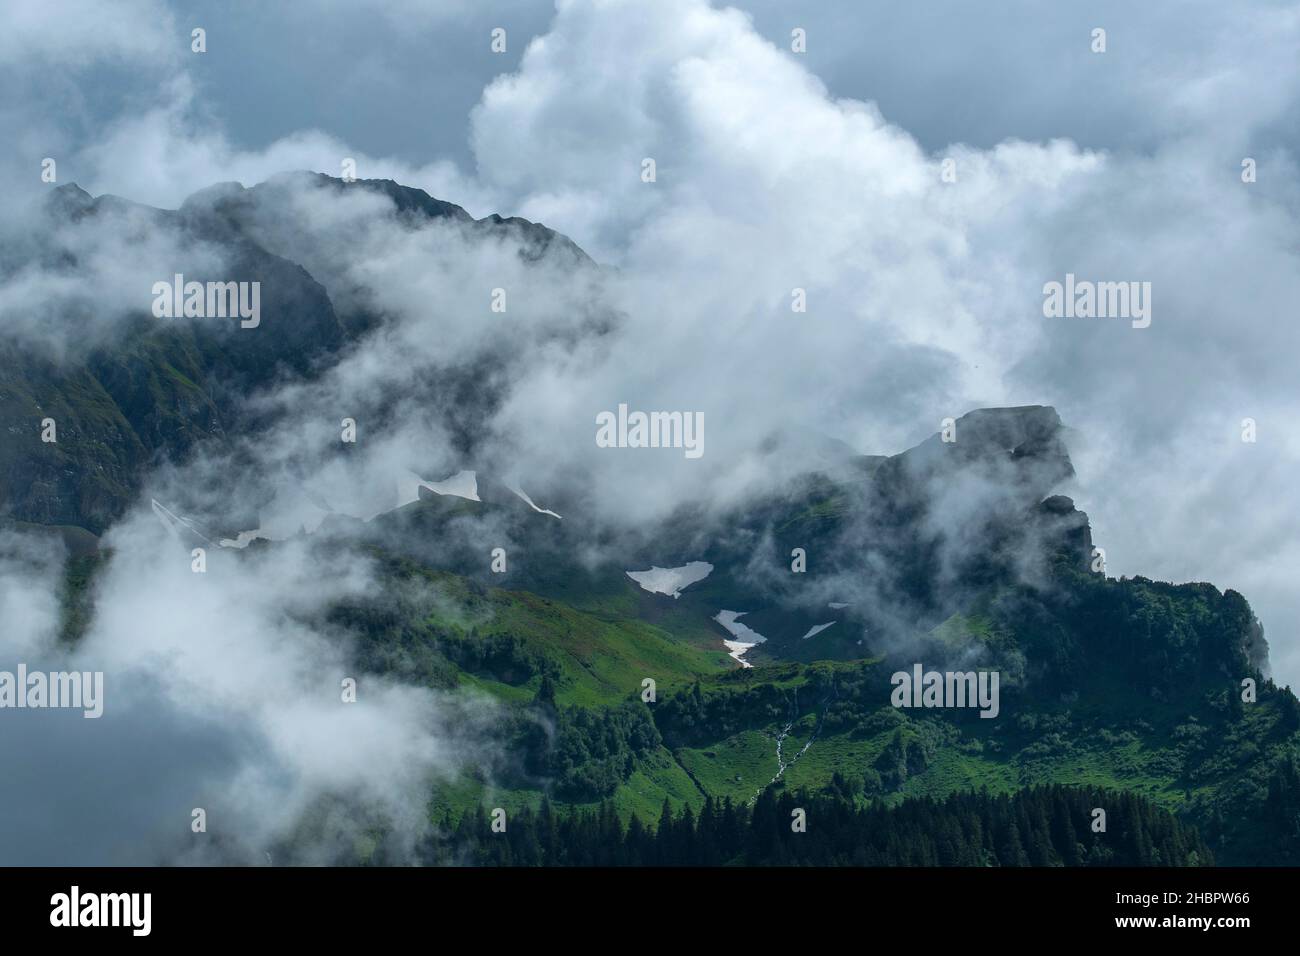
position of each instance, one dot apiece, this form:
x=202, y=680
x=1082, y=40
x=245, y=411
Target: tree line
x=1039, y=826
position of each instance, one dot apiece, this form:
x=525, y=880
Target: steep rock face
x=976, y=508
x=918, y=533
x=141, y=389
x=998, y=459
x=82, y=477
x=1068, y=527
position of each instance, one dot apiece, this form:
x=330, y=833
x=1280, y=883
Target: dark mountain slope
x=145, y=389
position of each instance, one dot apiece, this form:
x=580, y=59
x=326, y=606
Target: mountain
x=142, y=392
x=1127, y=684
x=960, y=554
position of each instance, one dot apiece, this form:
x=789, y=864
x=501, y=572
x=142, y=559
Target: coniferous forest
x=1038, y=826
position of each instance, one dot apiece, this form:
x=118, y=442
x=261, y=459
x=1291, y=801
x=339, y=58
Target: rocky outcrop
x=152, y=390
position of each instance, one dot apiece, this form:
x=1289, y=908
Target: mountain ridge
x=960, y=552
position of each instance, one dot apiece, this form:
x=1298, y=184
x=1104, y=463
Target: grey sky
x=403, y=81
x=399, y=78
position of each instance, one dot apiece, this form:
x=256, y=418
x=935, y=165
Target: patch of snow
x=297, y=515
x=745, y=637
x=174, y=522
x=836, y=605
x=463, y=484
x=546, y=511
x=817, y=630
x=671, y=581
x=243, y=539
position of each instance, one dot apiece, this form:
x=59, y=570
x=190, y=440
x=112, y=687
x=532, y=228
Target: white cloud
x=81, y=32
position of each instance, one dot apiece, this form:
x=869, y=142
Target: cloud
x=222, y=692
x=82, y=32
x=926, y=296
